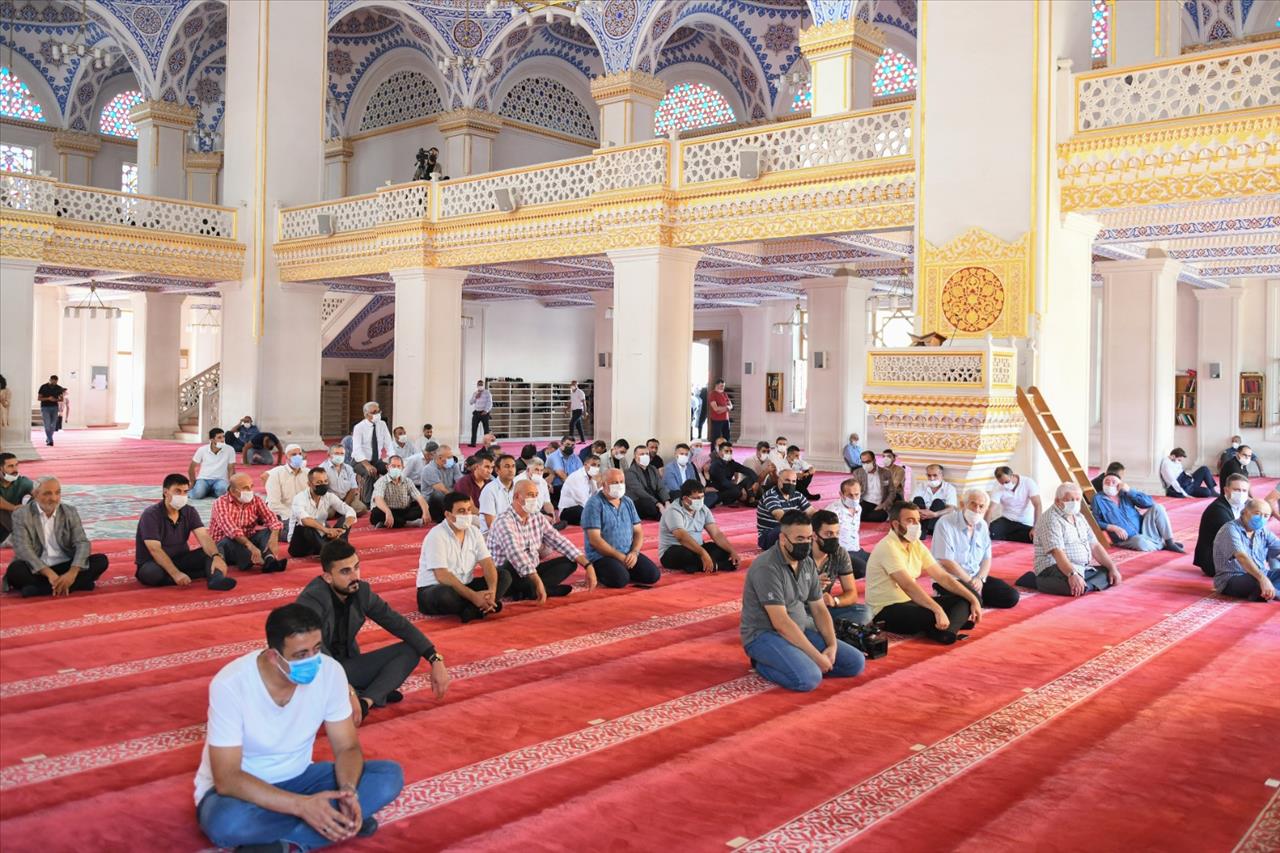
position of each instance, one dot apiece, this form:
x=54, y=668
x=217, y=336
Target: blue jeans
x=859, y=613
x=230, y=822
x=49, y=418
x=785, y=665
x=201, y=489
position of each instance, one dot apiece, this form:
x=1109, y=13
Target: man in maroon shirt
x=720, y=405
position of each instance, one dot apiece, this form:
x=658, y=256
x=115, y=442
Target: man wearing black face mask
x=309, y=530
x=788, y=644
x=776, y=503
x=835, y=567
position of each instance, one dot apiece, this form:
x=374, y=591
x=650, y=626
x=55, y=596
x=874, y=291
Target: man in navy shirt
x=164, y=531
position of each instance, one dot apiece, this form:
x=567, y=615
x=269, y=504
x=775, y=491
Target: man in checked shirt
x=516, y=540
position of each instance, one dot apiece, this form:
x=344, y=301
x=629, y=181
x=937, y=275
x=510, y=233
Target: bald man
x=51, y=550
x=1246, y=555
x=245, y=528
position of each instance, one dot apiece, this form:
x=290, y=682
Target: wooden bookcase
x=532, y=409
x=1252, y=400
x=1184, y=400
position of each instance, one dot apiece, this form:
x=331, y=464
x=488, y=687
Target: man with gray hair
x=1069, y=560
x=962, y=546
x=370, y=446
x=51, y=550
x=342, y=478
x=1246, y=555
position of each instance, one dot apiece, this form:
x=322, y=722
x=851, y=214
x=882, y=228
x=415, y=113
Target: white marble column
x=842, y=60
x=17, y=310
x=838, y=335
x=157, y=334
x=468, y=141
x=162, y=147
x=337, y=162
x=1144, y=30
x=602, y=375
x=75, y=156
x=1221, y=343
x=202, y=176
x=652, y=343
x=1139, y=319
x=628, y=101
x=428, y=350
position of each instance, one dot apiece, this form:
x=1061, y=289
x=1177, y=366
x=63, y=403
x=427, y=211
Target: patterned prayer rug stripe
x=1264, y=835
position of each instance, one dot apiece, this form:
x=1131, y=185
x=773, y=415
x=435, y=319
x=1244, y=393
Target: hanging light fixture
x=796, y=321
x=78, y=46
x=207, y=322
x=92, y=303
x=468, y=60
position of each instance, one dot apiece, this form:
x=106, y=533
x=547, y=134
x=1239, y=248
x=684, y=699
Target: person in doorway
x=776, y=503
x=481, y=405
x=848, y=511
x=370, y=447
x=1018, y=499
x=1069, y=559
x=681, y=545
x=613, y=537
x=396, y=500
x=162, y=552
x=720, y=407
x=1246, y=555
x=876, y=487
x=309, y=527
x=577, y=408
x=704, y=409
x=962, y=546
x=15, y=490
x=1132, y=519
x=212, y=467
x=245, y=529
x=342, y=478
x=49, y=396
x=644, y=485
x=257, y=787
x=284, y=482
x=447, y=582
x=578, y=489
x=853, y=453
x=51, y=553
x=1220, y=512
x=1179, y=484
x=835, y=568
x=517, y=539
x=935, y=497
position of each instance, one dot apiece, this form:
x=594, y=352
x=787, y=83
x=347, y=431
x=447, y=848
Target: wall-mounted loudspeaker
x=819, y=360
x=750, y=163
x=605, y=359
x=749, y=367
x=506, y=199
x=324, y=224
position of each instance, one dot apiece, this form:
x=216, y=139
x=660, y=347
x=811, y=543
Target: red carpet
x=1141, y=718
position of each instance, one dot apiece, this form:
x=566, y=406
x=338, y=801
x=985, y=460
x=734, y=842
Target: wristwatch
x=435, y=657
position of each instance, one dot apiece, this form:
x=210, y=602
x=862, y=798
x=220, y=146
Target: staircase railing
x=198, y=397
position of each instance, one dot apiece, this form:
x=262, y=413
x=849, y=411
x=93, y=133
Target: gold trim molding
x=204, y=161
x=612, y=87
x=822, y=40
x=1010, y=263
x=469, y=120
x=75, y=142
x=165, y=113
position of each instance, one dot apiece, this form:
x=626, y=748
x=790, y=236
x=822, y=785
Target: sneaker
x=272, y=565
x=394, y=696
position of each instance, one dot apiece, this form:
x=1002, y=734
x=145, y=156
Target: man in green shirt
x=13, y=489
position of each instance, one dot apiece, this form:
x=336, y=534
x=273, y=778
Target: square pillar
x=428, y=349
x=1221, y=342
x=17, y=318
x=602, y=374
x=1139, y=318
x=842, y=59
x=337, y=161
x=838, y=332
x=202, y=176
x=162, y=147
x=651, y=347
x=157, y=333
x=628, y=101
x=1141, y=31
x=468, y=141
x=75, y=156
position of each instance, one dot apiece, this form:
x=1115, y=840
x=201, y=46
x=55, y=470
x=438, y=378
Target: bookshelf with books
x=1252, y=403
x=1184, y=399
x=532, y=409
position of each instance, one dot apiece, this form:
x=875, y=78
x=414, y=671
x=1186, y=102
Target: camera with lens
x=867, y=639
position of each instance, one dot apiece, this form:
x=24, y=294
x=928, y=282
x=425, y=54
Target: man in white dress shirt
x=1179, y=484
x=1018, y=499
x=370, y=446
x=935, y=497
x=849, y=510
x=447, y=566
x=312, y=509
x=577, y=490
x=495, y=497
x=577, y=409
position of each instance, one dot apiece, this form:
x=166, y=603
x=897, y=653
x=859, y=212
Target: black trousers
x=375, y=674
x=926, y=524
x=22, y=575
x=478, y=419
x=575, y=424
x=572, y=515
x=910, y=618
x=441, y=600
x=435, y=506
x=399, y=517
x=996, y=593
x=367, y=473
x=802, y=483
x=1005, y=530
x=1054, y=582
x=719, y=429
x=238, y=556
x=6, y=523
x=682, y=559
x=870, y=512
x=553, y=572
x=735, y=492
x=307, y=541
x=615, y=574
x=859, y=559
x=195, y=564
x=646, y=506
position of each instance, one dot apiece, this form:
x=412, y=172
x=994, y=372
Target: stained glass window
x=115, y=119
x=128, y=177
x=17, y=158
x=895, y=75
x=15, y=98
x=691, y=105
x=804, y=98
x=1101, y=28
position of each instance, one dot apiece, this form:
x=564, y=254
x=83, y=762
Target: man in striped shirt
x=245, y=528
x=516, y=540
x=776, y=503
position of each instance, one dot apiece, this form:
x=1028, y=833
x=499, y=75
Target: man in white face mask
x=848, y=509
x=1132, y=519
x=245, y=528
x=614, y=536
x=370, y=446
x=396, y=500
x=644, y=485
x=517, y=539
x=1018, y=498
x=1178, y=483
x=962, y=546
x=680, y=535
x=894, y=593
x=577, y=490
x=164, y=531
x=447, y=566
x=1224, y=510
x=1069, y=559
x=212, y=467
x=935, y=497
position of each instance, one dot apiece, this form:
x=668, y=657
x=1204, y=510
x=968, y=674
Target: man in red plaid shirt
x=245, y=528
x=516, y=540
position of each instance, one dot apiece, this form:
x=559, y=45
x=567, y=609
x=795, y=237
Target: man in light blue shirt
x=342, y=478
x=1132, y=519
x=1246, y=555
x=682, y=470
x=563, y=462
x=613, y=537
x=962, y=546
x=853, y=453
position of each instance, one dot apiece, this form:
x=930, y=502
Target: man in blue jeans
x=786, y=629
x=257, y=789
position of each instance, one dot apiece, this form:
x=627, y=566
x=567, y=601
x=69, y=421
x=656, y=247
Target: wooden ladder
x=1054, y=443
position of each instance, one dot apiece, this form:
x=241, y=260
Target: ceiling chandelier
x=78, y=46
x=468, y=60
x=92, y=303
x=206, y=322
x=798, y=318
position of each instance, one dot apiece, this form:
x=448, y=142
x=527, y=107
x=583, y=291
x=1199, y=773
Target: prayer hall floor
x=1141, y=718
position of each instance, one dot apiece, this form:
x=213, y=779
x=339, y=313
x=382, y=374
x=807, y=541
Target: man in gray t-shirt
x=786, y=629
x=438, y=477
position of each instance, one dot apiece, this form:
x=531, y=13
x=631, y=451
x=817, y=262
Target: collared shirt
x=873, y=491
x=850, y=524
x=1016, y=505
x=676, y=475
x=544, y=491
x=154, y=526
x=616, y=524
x=413, y=465
x=1071, y=533
x=284, y=482
x=838, y=567
x=771, y=581
x=362, y=440
x=564, y=466
x=893, y=554
x=577, y=399
x=467, y=485
x=853, y=455
x=304, y=506
x=1170, y=472
x=1123, y=514
x=436, y=474
x=442, y=550
x=213, y=466
x=230, y=518
x=398, y=494
x=577, y=490
x=495, y=499
x=774, y=500
x=676, y=517
x=1262, y=547
x=953, y=540
x=520, y=542
x=945, y=493
x=342, y=479
x=481, y=400
x=53, y=553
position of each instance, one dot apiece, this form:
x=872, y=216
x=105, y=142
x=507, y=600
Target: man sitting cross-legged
x=1246, y=555
x=245, y=528
x=309, y=527
x=164, y=532
x=1222, y=511
x=1132, y=519
x=343, y=602
x=785, y=628
x=935, y=497
x=776, y=503
x=51, y=552
x=1069, y=559
x=848, y=510
x=962, y=546
x=447, y=566
x=396, y=500
x=577, y=490
x=257, y=788
x=835, y=566
x=516, y=541
x=680, y=543
x=611, y=528
x=894, y=593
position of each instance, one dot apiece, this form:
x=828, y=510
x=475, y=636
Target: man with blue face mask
x=286, y=481
x=1246, y=555
x=396, y=500
x=257, y=784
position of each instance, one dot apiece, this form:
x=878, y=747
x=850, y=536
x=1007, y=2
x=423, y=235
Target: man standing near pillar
x=719, y=405
x=481, y=405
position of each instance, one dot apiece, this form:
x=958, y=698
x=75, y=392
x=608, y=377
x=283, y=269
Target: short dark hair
x=504, y=457
x=319, y=469
x=453, y=499
x=1114, y=467
x=169, y=481
x=823, y=517
x=5, y=457
x=471, y=462
x=724, y=443
x=590, y=457
x=763, y=445
x=528, y=451
x=718, y=382
x=780, y=438
x=623, y=443
x=793, y=449
x=682, y=444
x=1179, y=452
x=565, y=438
x=1244, y=447
x=867, y=453
x=215, y=432
x=427, y=426
x=290, y=619
x=691, y=487
x=485, y=453
x=795, y=518
x=1003, y=471
x=899, y=507
x=600, y=443
x=335, y=551
x=653, y=441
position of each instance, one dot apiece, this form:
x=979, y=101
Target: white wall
x=389, y=157
x=1186, y=347
x=769, y=353
x=106, y=163
x=516, y=147
x=534, y=343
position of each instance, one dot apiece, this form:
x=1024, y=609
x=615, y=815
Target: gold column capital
x=203, y=161
x=339, y=149
x=627, y=84
x=838, y=36
x=165, y=113
x=74, y=142
x=469, y=120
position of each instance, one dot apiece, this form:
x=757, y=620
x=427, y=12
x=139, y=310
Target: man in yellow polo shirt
x=894, y=593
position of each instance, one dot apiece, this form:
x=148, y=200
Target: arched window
x=115, y=120
x=1101, y=29
x=803, y=99
x=15, y=98
x=895, y=75
x=404, y=96
x=689, y=106
x=543, y=102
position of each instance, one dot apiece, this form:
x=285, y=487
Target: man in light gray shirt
x=437, y=479
x=481, y=405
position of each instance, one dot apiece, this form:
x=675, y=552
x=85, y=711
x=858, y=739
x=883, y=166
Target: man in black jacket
x=343, y=602
x=1222, y=511
x=732, y=479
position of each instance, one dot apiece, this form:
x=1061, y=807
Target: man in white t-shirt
x=257, y=786
x=211, y=469
x=577, y=409
x=1018, y=499
x=447, y=582
x=849, y=510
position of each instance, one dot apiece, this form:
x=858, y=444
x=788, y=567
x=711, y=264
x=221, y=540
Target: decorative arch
x=543, y=101
x=403, y=96
x=197, y=31
x=690, y=105
x=557, y=50
x=86, y=96
x=1261, y=17
x=395, y=61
